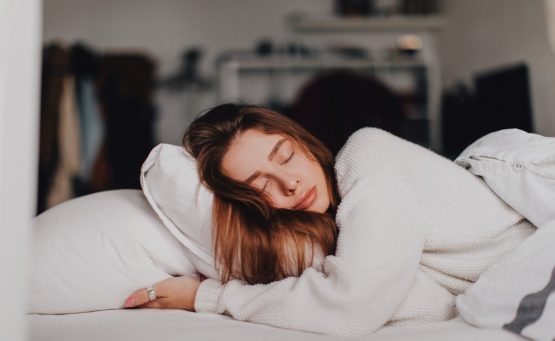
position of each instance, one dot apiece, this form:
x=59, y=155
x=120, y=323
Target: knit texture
x=415, y=230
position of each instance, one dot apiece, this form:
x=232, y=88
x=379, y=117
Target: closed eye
x=288, y=159
x=265, y=183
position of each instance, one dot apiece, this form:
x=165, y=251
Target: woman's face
x=276, y=165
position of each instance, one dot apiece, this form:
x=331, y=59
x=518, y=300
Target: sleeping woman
x=387, y=233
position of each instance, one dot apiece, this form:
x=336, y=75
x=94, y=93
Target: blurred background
x=120, y=76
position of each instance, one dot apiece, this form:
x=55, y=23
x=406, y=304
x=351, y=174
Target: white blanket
x=517, y=293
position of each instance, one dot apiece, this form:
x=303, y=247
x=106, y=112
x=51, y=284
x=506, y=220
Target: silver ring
x=151, y=293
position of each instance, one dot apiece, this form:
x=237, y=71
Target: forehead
x=248, y=152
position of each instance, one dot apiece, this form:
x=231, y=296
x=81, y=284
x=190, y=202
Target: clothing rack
x=96, y=121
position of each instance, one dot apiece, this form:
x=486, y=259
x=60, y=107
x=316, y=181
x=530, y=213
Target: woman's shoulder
x=368, y=150
x=380, y=153
x=369, y=143
x=367, y=134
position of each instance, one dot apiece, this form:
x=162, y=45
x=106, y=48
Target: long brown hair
x=254, y=241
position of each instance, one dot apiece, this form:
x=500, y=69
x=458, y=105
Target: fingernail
x=129, y=302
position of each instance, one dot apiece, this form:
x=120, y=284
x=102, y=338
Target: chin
x=322, y=203
x=320, y=207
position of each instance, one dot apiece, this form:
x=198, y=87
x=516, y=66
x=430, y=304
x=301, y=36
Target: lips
x=306, y=199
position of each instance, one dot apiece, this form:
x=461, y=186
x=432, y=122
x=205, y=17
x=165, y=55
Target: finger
x=139, y=297
x=135, y=299
x=156, y=304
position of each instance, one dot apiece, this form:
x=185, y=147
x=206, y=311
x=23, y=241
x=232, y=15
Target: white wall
x=481, y=34
x=19, y=74
x=478, y=34
x=164, y=28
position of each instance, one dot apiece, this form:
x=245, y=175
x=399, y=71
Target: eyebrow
x=270, y=157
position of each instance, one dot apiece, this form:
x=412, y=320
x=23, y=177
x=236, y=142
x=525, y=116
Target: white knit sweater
x=415, y=230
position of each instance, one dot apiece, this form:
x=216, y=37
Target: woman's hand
x=171, y=293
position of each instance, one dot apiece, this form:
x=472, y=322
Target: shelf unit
x=284, y=63
x=306, y=23
x=232, y=71
x=312, y=27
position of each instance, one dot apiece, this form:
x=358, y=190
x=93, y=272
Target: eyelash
x=281, y=164
x=287, y=160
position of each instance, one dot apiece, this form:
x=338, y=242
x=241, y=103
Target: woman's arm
x=378, y=252
x=382, y=231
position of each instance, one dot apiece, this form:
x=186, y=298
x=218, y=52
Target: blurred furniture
x=366, y=45
x=305, y=23
x=275, y=81
x=335, y=104
x=500, y=100
x=126, y=84
x=96, y=121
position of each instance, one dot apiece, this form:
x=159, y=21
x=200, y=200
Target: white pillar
x=550, y=12
x=20, y=41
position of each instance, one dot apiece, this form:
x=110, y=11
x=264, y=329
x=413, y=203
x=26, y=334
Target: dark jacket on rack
x=125, y=87
x=55, y=66
x=334, y=105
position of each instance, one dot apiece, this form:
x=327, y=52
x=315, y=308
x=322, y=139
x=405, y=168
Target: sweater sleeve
x=378, y=251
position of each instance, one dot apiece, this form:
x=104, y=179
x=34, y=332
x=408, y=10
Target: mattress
x=174, y=325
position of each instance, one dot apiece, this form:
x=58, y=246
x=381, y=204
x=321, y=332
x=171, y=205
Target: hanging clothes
x=68, y=144
x=125, y=84
x=92, y=127
x=85, y=64
x=55, y=64
x=97, y=118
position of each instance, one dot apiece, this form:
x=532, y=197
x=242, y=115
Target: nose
x=289, y=183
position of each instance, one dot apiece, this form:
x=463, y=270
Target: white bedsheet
x=177, y=325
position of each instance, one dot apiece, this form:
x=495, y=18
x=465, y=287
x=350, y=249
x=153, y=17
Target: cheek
x=271, y=199
x=314, y=171
x=278, y=200
x=306, y=168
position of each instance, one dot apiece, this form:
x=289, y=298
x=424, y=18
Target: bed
x=64, y=284
x=135, y=243
x=170, y=325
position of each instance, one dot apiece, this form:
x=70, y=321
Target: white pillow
x=518, y=292
x=170, y=182
x=90, y=253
